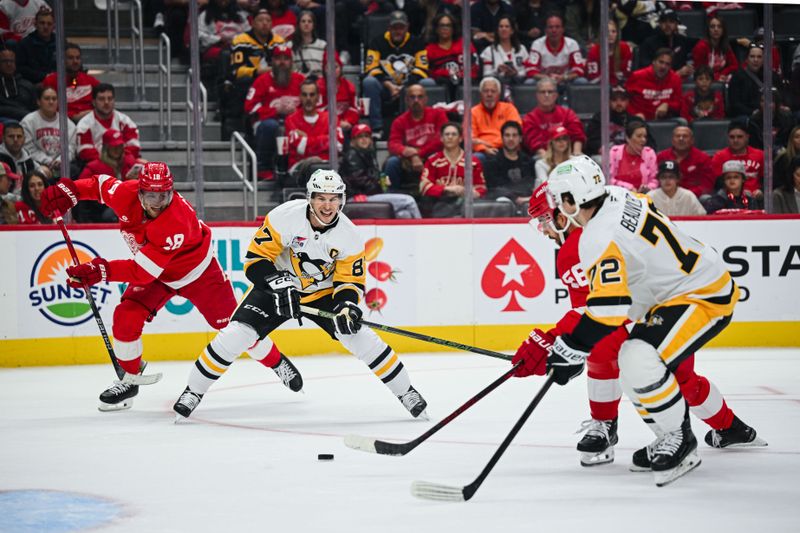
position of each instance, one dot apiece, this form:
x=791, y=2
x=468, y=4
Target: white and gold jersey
x=635, y=258
x=321, y=262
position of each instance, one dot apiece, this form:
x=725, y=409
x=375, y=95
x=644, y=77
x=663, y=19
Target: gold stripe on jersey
x=316, y=295
x=266, y=243
x=609, y=296
x=351, y=270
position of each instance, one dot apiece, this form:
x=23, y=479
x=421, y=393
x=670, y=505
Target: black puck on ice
x=325, y=457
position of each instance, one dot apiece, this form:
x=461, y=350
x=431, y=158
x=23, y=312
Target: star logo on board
x=512, y=271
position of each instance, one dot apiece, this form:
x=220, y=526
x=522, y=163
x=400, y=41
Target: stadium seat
x=584, y=100
x=739, y=22
x=524, y=98
x=662, y=132
x=787, y=24
x=695, y=22
x=293, y=193
x=372, y=25
x=482, y=209
x=710, y=134
x=356, y=210
x=476, y=93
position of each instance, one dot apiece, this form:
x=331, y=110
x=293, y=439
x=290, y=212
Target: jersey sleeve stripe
x=148, y=264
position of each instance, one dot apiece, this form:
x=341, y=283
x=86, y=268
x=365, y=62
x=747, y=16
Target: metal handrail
x=189, y=109
x=137, y=49
x=164, y=71
x=252, y=168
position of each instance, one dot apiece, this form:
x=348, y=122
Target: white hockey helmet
x=579, y=176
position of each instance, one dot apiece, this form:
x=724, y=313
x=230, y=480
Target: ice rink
x=247, y=459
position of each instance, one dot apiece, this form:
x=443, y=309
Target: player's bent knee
x=365, y=344
x=128, y=350
x=129, y=319
x=640, y=363
x=234, y=339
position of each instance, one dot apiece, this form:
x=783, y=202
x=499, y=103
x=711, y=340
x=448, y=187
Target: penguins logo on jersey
x=310, y=271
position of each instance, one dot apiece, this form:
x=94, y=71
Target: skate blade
x=111, y=407
x=755, y=443
x=423, y=416
x=689, y=463
x=636, y=468
x=589, y=459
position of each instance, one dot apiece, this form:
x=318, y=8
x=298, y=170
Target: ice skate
x=640, y=462
x=289, y=374
x=597, y=444
x=674, y=455
x=119, y=396
x=187, y=402
x=415, y=403
x=739, y=435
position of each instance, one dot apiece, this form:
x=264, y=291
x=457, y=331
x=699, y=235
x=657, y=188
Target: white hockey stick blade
x=434, y=491
x=357, y=442
x=142, y=379
x=111, y=407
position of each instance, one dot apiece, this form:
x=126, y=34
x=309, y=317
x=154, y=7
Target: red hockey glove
x=59, y=198
x=90, y=273
x=533, y=354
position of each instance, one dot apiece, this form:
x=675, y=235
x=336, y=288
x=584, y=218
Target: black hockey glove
x=286, y=298
x=565, y=361
x=348, y=318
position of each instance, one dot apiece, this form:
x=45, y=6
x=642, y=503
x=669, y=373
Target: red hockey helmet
x=155, y=177
x=542, y=209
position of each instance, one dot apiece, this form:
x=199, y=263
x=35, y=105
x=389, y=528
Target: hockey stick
x=133, y=379
x=405, y=333
x=367, y=444
x=436, y=491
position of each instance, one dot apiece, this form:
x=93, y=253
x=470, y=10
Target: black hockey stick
x=367, y=444
x=134, y=379
x=436, y=491
x=405, y=333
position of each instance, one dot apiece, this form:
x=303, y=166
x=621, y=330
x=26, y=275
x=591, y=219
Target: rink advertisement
x=485, y=284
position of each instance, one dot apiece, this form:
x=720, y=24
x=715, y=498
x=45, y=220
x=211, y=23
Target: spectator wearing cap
x=667, y=36
x=559, y=149
x=395, y=60
x=556, y=56
x=113, y=159
x=273, y=96
x=744, y=89
x=620, y=58
x=786, y=196
x=484, y=15
x=695, y=165
x=79, y=84
x=672, y=199
x=487, y=118
x=510, y=172
x=17, y=95
x=633, y=165
x=43, y=133
x=618, y=119
x=13, y=151
x=91, y=127
x=18, y=18
x=346, y=111
x=537, y=124
x=655, y=91
x=36, y=53
x=732, y=194
x=413, y=137
x=362, y=174
x=251, y=51
x=739, y=149
x=704, y=101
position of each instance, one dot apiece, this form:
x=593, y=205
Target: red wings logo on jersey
x=512, y=270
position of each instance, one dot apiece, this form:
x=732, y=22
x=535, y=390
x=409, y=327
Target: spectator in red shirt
x=655, y=91
x=346, y=111
x=273, y=96
x=284, y=19
x=695, y=164
x=445, y=54
x=547, y=115
x=620, y=58
x=739, y=149
x=715, y=51
x=703, y=101
x=29, y=208
x=413, y=137
x=79, y=83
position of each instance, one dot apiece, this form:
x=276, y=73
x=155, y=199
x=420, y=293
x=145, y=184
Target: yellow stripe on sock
x=385, y=368
x=207, y=361
x=661, y=396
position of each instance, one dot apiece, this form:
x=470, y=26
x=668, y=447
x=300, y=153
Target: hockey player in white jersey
x=309, y=252
x=674, y=288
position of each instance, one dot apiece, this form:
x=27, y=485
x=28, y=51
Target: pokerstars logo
x=49, y=292
x=512, y=271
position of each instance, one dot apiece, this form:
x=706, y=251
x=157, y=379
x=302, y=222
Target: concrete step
x=178, y=107
x=124, y=77
x=214, y=152
x=150, y=132
x=96, y=54
x=125, y=92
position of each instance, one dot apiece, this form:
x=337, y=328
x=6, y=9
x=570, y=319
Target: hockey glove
x=59, y=198
x=90, y=273
x=286, y=298
x=348, y=318
x=533, y=354
x=565, y=361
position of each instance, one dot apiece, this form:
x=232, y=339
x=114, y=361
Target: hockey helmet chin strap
x=314, y=214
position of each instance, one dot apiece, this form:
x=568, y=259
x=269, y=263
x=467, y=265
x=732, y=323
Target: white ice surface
x=247, y=459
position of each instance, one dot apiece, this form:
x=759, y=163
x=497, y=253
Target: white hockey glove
x=286, y=298
x=565, y=362
x=348, y=318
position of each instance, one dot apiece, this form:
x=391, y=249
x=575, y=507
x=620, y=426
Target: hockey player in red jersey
x=172, y=255
x=604, y=390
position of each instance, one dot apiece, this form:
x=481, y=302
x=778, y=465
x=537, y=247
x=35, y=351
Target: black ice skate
x=597, y=444
x=119, y=396
x=739, y=435
x=415, y=403
x=187, y=402
x=641, y=459
x=289, y=374
x=674, y=455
